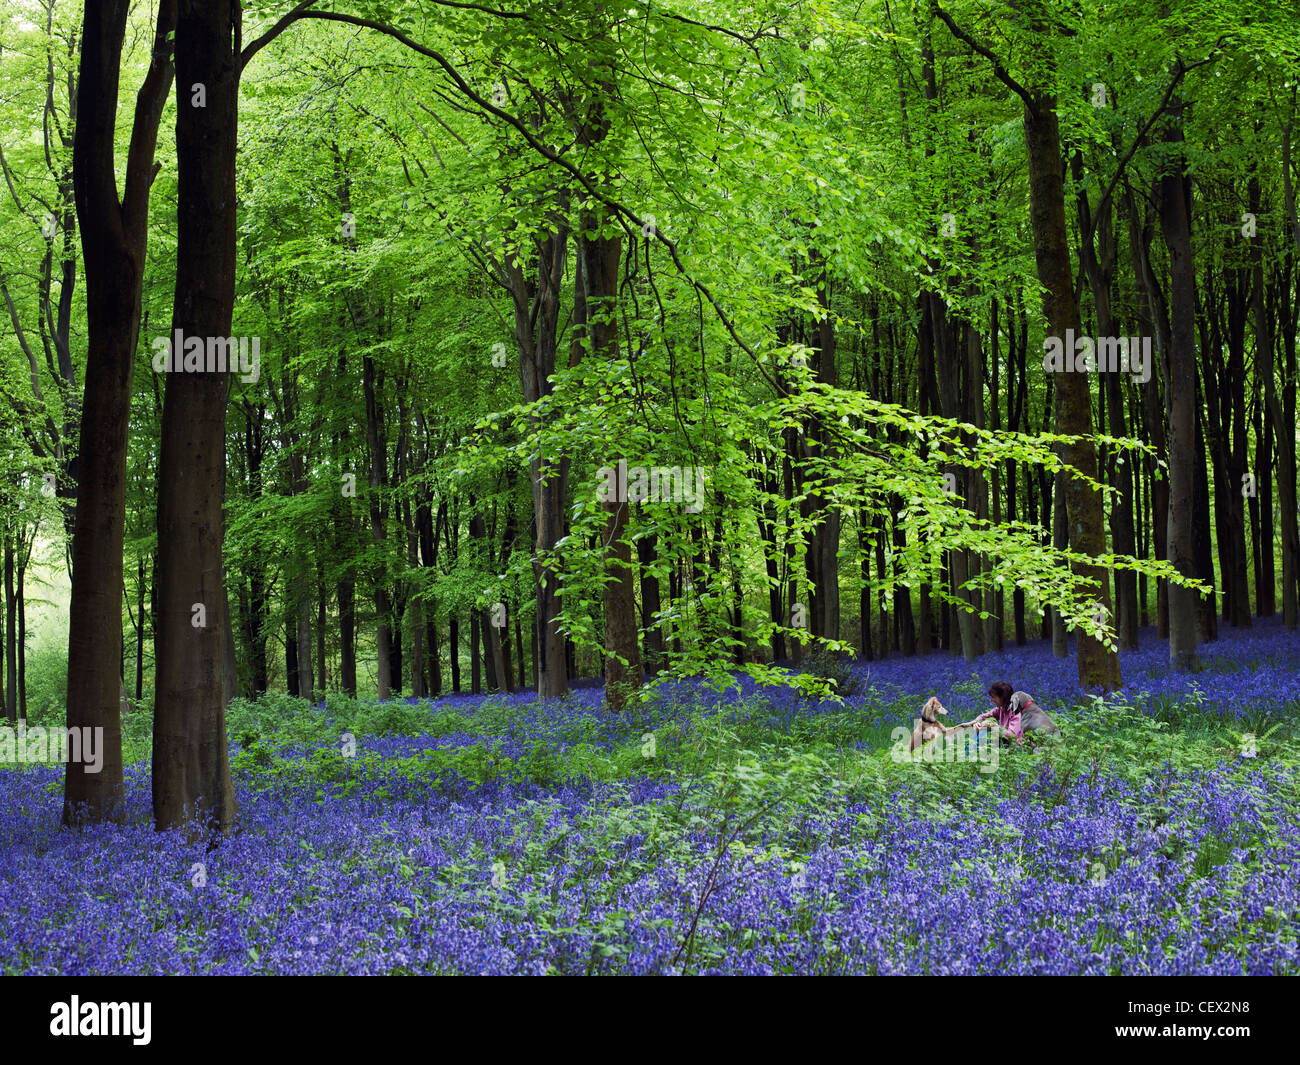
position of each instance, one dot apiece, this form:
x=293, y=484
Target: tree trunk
x=536, y=319
x=22, y=638
x=453, y=640
x=191, y=770
x=302, y=610
x=1098, y=666
x=1153, y=319
x=141, y=570
x=113, y=235
x=291, y=676
x=600, y=261
x=1060, y=540
x=1282, y=437
x=650, y=604
x=11, y=629
x=378, y=477
x=475, y=654
x=347, y=638
x=322, y=617
x=1175, y=224
x=1099, y=264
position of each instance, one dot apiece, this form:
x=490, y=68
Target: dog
x=1032, y=717
x=928, y=729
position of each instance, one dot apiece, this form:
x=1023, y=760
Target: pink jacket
x=1009, y=718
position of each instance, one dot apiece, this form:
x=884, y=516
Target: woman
x=1016, y=713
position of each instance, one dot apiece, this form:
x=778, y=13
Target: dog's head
x=932, y=709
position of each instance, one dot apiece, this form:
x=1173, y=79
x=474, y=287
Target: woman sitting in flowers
x=1016, y=713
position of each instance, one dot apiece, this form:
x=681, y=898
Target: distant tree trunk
x=1153, y=319
x=378, y=477
x=536, y=321
x=491, y=659
x=791, y=573
x=1283, y=435
x=1260, y=502
x=1283, y=415
x=435, y=659
x=475, y=656
x=256, y=637
x=825, y=546
x=1237, y=458
x=902, y=593
x=976, y=486
x=113, y=234
x=453, y=640
x=766, y=517
x=11, y=630
x=347, y=637
x=416, y=616
x=22, y=637
x=302, y=612
x=888, y=641
x=864, y=594
x=1017, y=388
x=1061, y=541
x=139, y=642
x=536, y=637
x=1098, y=666
x=1175, y=224
x=395, y=643
x=428, y=540
x=1207, y=621
x=230, y=659
x=650, y=605
x=498, y=649
x=291, y=675
x=1214, y=431
x=499, y=642
x=322, y=616
x=1099, y=265
x=519, y=648
x=415, y=609
x=951, y=358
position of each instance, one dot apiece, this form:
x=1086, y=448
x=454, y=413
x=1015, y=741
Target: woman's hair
x=1001, y=691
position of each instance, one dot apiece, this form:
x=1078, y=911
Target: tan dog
x=928, y=728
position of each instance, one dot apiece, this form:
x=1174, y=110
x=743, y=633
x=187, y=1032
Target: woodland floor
x=757, y=832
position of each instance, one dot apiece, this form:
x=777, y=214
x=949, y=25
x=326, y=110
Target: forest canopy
x=661, y=339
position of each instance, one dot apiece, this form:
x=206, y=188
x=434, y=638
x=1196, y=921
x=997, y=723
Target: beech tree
x=114, y=232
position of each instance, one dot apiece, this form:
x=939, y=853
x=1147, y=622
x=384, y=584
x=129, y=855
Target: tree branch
x=1180, y=69
x=998, y=69
x=596, y=194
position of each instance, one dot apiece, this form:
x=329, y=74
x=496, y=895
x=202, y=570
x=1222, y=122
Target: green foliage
x=832, y=666
x=47, y=684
